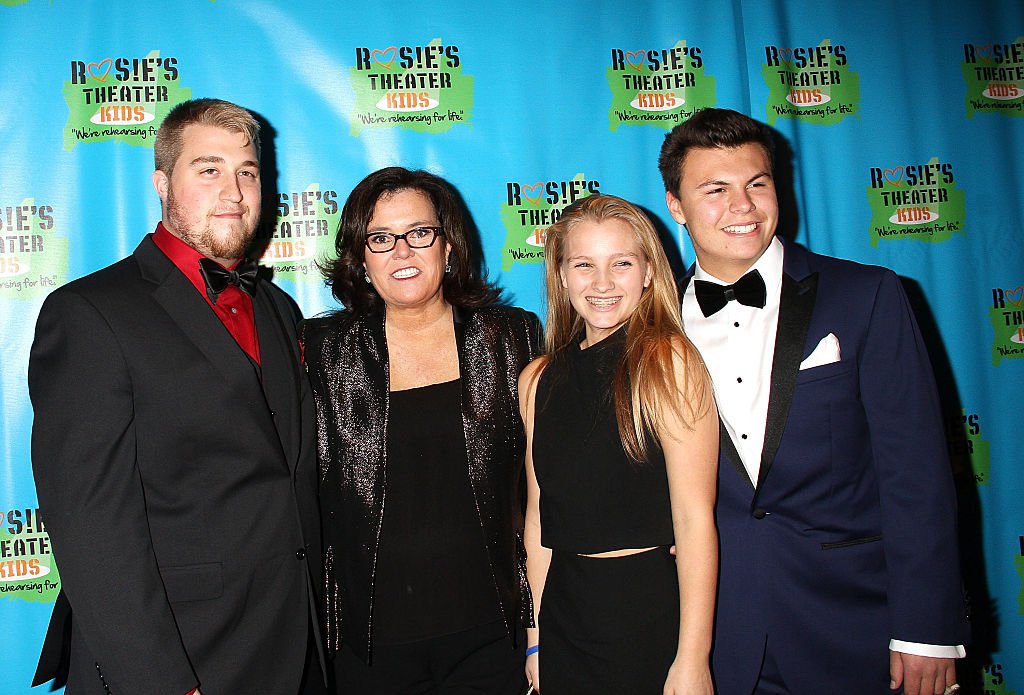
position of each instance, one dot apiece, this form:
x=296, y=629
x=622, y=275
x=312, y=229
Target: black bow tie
x=748, y=290
x=217, y=277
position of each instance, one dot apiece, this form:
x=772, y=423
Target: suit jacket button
x=300, y=554
x=760, y=513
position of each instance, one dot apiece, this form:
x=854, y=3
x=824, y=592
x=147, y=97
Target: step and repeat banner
x=903, y=126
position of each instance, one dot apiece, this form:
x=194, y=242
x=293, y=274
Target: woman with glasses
x=421, y=450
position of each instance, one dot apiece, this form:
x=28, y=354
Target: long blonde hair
x=644, y=385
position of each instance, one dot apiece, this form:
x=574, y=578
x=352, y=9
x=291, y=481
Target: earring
x=447, y=266
x=366, y=276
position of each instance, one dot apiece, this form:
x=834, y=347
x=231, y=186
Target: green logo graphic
x=994, y=680
x=968, y=451
x=660, y=88
x=33, y=258
x=419, y=88
x=303, y=232
x=121, y=99
x=1007, y=319
x=528, y=211
x=1018, y=563
x=915, y=201
x=27, y=570
x=813, y=84
x=994, y=76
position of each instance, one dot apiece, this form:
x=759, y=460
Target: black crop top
x=593, y=498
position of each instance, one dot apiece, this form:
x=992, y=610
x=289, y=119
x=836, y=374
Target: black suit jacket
x=177, y=481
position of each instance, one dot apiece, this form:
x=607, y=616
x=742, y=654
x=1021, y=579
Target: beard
x=230, y=244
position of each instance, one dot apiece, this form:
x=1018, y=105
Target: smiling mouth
x=740, y=228
x=405, y=273
x=604, y=302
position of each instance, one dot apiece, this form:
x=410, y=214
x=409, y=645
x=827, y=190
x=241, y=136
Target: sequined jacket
x=347, y=361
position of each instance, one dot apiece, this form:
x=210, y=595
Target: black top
x=433, y=577
x=347, y=360
x=593, y=498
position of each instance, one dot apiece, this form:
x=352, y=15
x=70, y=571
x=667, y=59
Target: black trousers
x=608, y=625
x=312, y=675
x=479, y=661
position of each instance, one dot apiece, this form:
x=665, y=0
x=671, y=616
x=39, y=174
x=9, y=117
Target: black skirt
x=608, y=625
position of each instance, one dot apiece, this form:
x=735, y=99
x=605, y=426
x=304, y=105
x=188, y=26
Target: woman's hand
x=533, y=671
x=688, y=680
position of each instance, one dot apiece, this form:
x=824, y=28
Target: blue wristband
x=532, y=650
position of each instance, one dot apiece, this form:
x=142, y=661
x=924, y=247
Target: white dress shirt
x=738, y=347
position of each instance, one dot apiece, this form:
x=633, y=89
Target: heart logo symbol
x=786, y=54
x=386, y=62
x=984, y=51
x=635, y=59
x=894, y=176
x=1019, y=292
x=99, y=73
x=537, y=186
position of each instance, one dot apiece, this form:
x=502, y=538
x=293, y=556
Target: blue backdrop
x=903, y=125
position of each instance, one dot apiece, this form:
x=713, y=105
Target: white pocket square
x=826, y=352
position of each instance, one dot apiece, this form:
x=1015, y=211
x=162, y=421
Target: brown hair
x=710, y=129
x=644, y=384
x=462, y=286
x=170, y=138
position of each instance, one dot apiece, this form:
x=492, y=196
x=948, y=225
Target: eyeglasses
x=418, y=238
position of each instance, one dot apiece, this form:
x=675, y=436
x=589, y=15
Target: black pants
x=608, y=625
x=312, y=675
x=480, y=661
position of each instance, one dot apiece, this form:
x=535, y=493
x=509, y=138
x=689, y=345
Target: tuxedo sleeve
x=915, y=480
x=93, y=502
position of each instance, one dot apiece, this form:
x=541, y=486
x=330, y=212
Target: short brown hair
x=710, y=129
x=215, y=112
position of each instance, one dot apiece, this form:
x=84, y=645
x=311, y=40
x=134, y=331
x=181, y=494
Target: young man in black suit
x=173, y=444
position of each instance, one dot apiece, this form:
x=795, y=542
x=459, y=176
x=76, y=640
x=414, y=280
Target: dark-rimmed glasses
x=417, y=238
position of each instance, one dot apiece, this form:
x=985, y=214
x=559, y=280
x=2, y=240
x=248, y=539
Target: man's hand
x=920, y=675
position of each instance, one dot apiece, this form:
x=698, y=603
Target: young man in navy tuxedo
x=173, y=445
x=836, y=511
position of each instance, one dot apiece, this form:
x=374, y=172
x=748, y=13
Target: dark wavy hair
x=710, y=129
x=463, y=286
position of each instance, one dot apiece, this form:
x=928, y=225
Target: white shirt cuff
x=938, y=651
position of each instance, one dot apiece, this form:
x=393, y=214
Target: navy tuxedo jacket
x=177, y=481
x=849, y=538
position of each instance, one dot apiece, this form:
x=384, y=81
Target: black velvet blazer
x=347, y=361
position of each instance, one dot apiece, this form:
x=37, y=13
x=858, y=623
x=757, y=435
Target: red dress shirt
x=233, y=307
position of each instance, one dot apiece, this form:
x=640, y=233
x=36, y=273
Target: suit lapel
x=204, y=330
x=795, y=309
x=193, y=315
x=279, y=361
x=728, y=447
